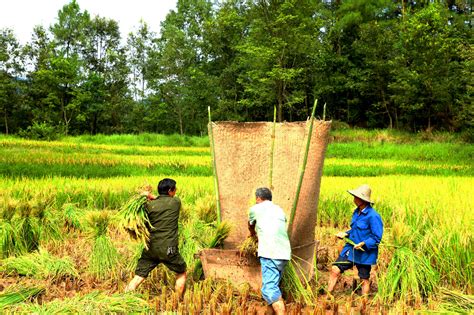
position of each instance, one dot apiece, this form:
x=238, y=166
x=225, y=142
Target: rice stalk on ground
x=92, y=303
x=15, y=295
x=40, y=265
x=455, y=301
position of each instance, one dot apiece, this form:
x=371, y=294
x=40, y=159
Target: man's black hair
x=166, y=185
x=264, y=193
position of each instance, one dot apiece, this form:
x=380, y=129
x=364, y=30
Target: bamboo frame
x=302, y=171
x=214, y=168
x=272, y=154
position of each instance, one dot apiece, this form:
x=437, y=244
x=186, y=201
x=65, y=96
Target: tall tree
x=276, y=56
x=66, y=64
x=105, y=73
x=178, y=66
x=11, y=78
x=139, y=45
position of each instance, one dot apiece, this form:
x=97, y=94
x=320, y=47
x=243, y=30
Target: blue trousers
x=272, y=271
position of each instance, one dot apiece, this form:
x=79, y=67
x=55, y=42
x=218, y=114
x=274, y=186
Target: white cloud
x=23, y=15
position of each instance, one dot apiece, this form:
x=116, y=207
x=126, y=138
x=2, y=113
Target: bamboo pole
x=214, y=168
x=324, y=112
x=270, y=181
x=302, y=171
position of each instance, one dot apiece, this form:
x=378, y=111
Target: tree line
x=374, y=63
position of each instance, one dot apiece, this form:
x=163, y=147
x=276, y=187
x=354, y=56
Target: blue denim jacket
x=366, y=227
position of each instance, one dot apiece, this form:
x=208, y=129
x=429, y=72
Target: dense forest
x=401, y=64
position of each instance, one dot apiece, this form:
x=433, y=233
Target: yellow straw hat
x=363, y=192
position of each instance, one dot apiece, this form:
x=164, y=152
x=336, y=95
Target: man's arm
x=376, y=229
x=252, y=222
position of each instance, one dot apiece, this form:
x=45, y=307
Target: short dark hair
x=264, y=193
x=166, y=185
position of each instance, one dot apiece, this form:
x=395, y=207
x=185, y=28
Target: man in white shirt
x=268, y=222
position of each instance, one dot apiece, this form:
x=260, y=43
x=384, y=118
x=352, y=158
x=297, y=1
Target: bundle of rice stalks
x=9, y=209
x=133, y=218
x=8, y=239
x=92, y=303
x=249, y=247
x=205, y=208
x=71, y=217
x=220, y=234
x=104, y=257
x=49, y=227
x=293, y=285
x=409, y=276
x=28, y=230
x=16, y=295
x=455, y=301
x=40, y=265
x=8, y=234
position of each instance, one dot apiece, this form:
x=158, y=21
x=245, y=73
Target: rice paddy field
x=62, y=250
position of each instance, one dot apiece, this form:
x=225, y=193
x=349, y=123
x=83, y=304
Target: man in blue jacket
x=366, y=232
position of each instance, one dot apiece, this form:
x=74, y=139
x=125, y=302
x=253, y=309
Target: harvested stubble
x=249, y=247
x=133, y=218
x=17, y=294
x=40, y=265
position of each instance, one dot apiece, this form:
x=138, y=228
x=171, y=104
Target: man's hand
x=252, y=231
x=359, y=246
x=341, y=235
x=148, y=195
